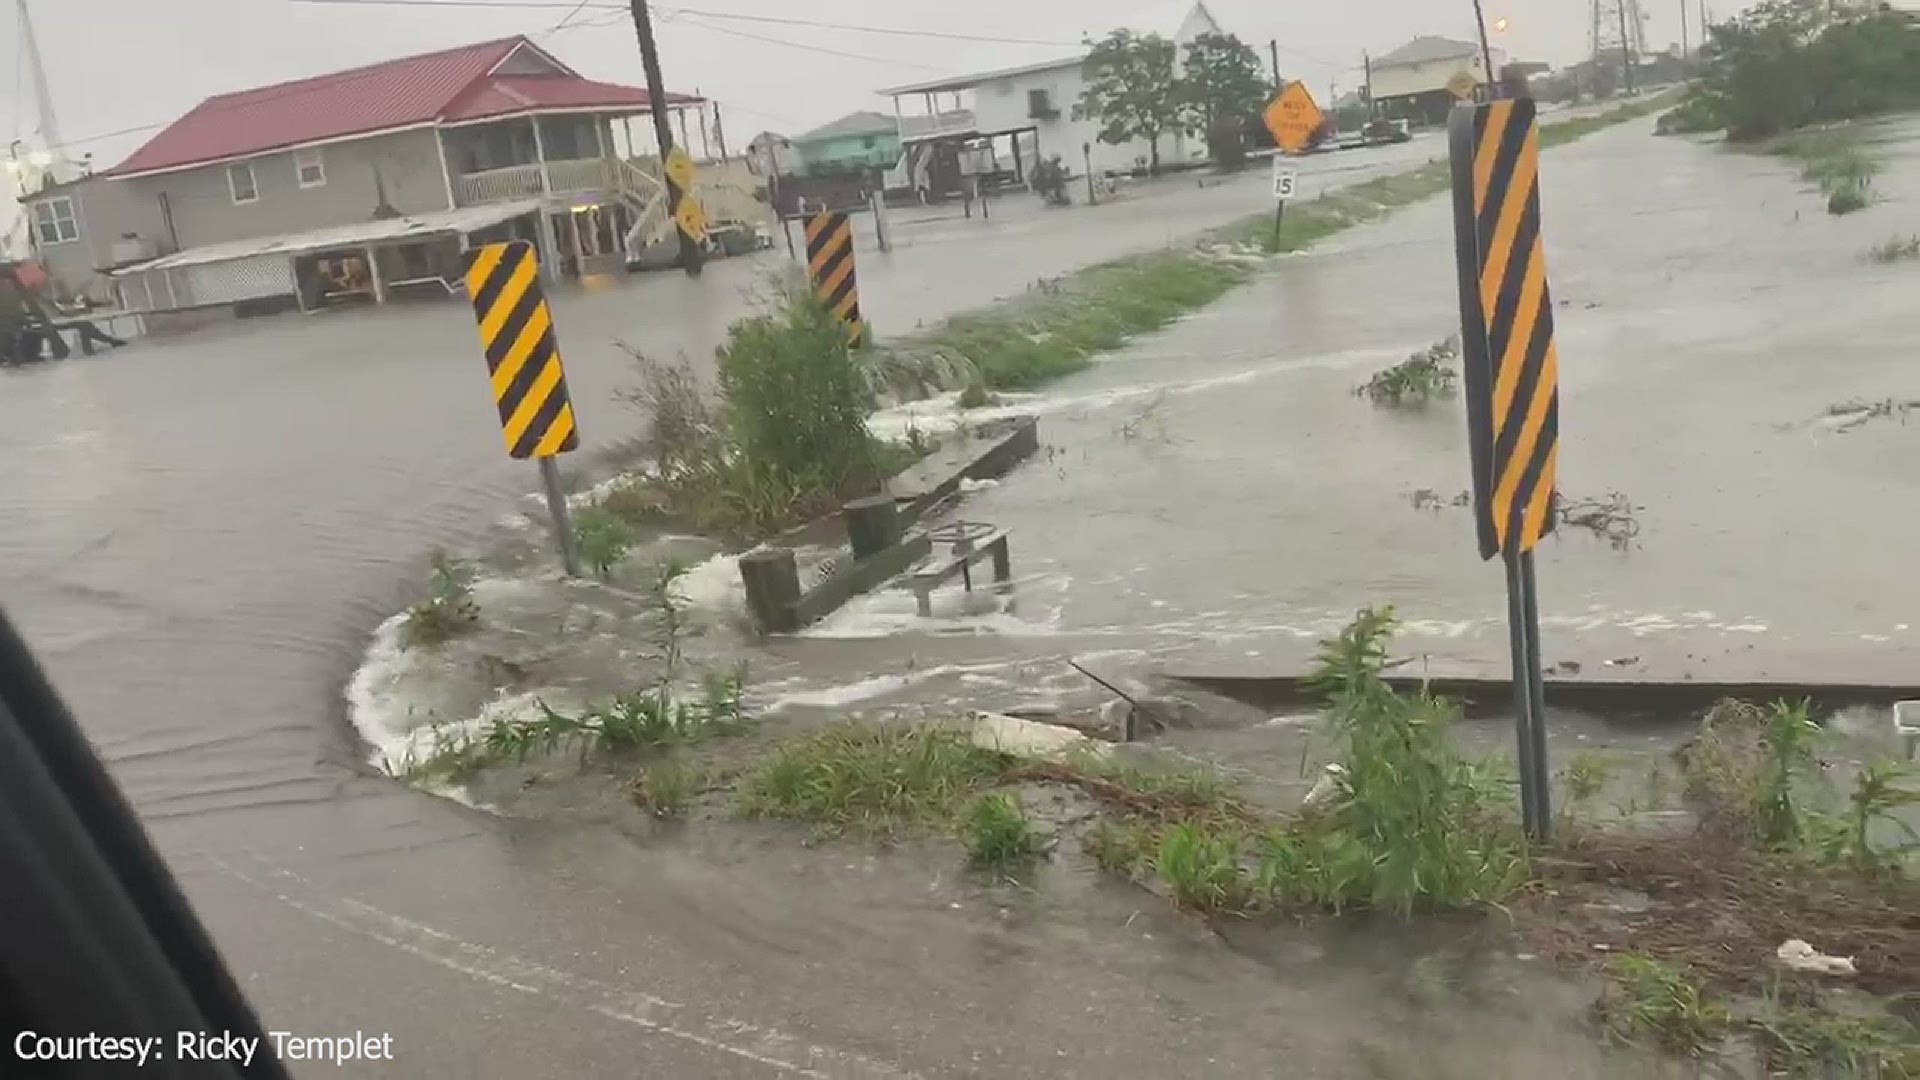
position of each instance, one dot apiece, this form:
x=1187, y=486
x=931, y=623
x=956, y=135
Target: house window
x=240, y=183
x=868, y=142
x=54, y=222
x=309, y=167
x=1040, y=104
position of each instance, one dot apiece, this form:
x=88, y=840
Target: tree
x=1130, y=90
x=1221, y=92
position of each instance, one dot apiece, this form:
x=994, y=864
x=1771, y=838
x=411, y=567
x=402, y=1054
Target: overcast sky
x=116, y=64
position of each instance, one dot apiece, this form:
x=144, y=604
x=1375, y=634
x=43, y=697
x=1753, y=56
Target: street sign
x=523, y=363
x=1511, y=372
x=691, y=218
x=830, y=268
x=1463, y=84
x=1293, y=118
x=1286, y=180
x=679, y=168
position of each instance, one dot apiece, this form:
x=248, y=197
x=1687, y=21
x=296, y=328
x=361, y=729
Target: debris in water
x=1797, y=955
x=1848, y=415
x=1613, y=519
x=1623, y=661
x=1327, y=790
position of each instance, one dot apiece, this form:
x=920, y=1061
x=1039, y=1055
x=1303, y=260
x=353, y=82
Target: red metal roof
x=504, y=95
x=447, y=85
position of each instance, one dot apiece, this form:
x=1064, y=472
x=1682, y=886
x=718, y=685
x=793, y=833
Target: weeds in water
x=1418, y=826
x=1835, y=161
x=1201, y=868
x=453, y=756
x=1788, y=740
x=1120, y=848
x=1803, y=1040
x=1655, y=1001
x=449, y=609
x=1740, y=778
x=1614, y=519
x=883, y=780
x=1416, y=380
x=997, y=833
x=975, y=395
x=1584, y=778
x=665, y=789
x=642, y=721
x=1846, y=839
x=602, y=538
x=1895, y=249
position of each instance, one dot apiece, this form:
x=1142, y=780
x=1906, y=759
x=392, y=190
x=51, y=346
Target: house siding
x=408, y=164
x=1405, y=80
x=106, y=211
x=1002, y=105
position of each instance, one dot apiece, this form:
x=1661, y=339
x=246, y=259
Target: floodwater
x=204, y=533
x=1218, y=497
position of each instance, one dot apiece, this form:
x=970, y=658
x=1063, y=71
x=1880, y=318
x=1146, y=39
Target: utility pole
x=1366, y=59
x=1626, y=49
x=690, y=257
x=1273, y=52
x=1683, y=30
x=1486, y=50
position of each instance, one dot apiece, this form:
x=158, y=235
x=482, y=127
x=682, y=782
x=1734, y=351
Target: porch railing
x=526, y=181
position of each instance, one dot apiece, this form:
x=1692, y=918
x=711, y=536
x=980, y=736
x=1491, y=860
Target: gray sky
x=116, y=64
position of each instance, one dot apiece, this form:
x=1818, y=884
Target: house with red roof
x=354, y=183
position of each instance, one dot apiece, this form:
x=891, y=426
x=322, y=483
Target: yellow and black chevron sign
x=1512, y=369
x=830, y=268
x=516, y=332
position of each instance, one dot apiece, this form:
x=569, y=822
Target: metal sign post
x=523, y=363
x=1286, y=180
x=1511, y=371
x=830, y=269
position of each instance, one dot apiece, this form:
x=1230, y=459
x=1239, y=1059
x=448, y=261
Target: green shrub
x=664, y=789
x=449, y=609
x=1201, y=868
x=602, y=538
x=997, y=833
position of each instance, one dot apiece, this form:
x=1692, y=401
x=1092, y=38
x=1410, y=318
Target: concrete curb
x=1480, y=696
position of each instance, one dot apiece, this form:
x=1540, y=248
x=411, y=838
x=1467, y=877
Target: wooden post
x=772, y=579
x=873, y=525
x=373, y=275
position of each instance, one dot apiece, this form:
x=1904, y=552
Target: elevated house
x=1411, y=82
x=857, y=142
x=360, y=182
x=1015, y=116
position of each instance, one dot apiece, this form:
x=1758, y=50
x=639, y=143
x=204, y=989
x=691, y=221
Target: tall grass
x=880, y=780
x=448, y=610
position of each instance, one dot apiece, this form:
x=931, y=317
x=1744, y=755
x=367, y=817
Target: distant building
x=357, y=181
x=857, y=142
x=1024, y=114
x=770, y=154
x=1411, y=82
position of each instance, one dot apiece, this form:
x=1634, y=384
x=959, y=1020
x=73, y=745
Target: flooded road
x=205, y=530
x=1217, y=496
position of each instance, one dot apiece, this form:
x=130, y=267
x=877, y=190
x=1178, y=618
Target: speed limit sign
x=1285, y=180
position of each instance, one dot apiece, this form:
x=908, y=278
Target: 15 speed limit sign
x=1285, y=180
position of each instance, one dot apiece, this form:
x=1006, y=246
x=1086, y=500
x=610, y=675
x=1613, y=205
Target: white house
x=1025, y=113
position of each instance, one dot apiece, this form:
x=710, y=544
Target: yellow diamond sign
x=1293, y=118
x=691, y=219
x=679, y=169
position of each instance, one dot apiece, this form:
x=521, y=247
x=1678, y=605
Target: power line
x=799, y=45
x=666, y=12
x=938, y=34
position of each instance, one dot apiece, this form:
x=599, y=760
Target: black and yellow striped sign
x=830, y=268
x=516, y=332
x=1512, y=370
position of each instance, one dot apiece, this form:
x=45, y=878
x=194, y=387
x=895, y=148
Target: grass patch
x=639, y=722
x=449, y=609
x=1836, y=161
x=884, y=781
x=1416, y=380
x=1200, y=868
x=1806, y=1039
x=1566, y=131
x=665, y=789
x=1895, y=249
x=997, y=834
x=1653, y=1002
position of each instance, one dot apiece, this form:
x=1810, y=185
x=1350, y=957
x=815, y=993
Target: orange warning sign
x=1293, y=118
